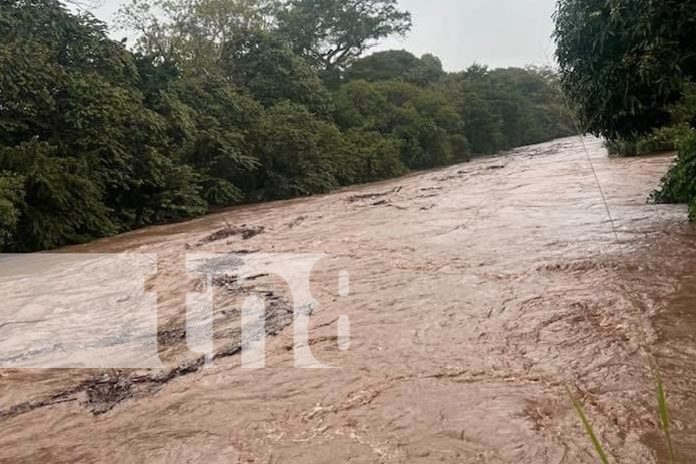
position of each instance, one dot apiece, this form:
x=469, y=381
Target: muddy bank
x=477, y=294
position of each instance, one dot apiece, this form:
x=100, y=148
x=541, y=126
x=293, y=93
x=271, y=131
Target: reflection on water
x=477, y=293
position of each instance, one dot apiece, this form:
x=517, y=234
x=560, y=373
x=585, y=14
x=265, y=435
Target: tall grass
x=662, y=412
x=588, y=428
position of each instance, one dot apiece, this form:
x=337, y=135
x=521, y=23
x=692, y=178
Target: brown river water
x=478, y=294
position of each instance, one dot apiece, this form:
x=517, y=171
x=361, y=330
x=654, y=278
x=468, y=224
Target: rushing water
x=478, y=293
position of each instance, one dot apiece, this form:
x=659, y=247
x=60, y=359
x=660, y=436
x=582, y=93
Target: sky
x=497, y=33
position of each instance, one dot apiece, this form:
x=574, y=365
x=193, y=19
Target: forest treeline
x=220, y=102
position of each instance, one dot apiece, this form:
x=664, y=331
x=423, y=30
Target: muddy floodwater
x=476, y=295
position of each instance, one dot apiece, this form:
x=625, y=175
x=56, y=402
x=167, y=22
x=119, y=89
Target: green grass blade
x=588, y=429
x=663, y=412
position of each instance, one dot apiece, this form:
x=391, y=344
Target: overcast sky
x=498, y=33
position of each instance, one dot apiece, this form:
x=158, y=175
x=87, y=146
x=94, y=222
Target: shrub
x=660, y=140
x=679, y=185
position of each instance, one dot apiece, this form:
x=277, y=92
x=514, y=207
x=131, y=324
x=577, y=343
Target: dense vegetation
x=663, y=137
x=227, y=101
x=629, y=67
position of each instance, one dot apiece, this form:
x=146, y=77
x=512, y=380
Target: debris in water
x=102, y=393
x=245, y=231
x=106, y=391
x=371, y=196
x=299, y=220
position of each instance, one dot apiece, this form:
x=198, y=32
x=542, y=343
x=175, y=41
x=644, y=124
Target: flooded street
x=478, y=293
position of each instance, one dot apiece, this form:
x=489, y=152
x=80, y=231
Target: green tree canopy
x=271, y=72
x=194, y=33
x=396, y=64
x=332, y=33
x=623, y=62
x=223, y=101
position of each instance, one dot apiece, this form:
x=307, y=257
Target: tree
x=271, y=72
x=11, y=205
x=61, y=203
x=216, y=107
x=624, y=62
x=63, y=121
x=332, y=33
x=194, y=33
x=209, y=124
x=530, y=105
x=93, y=159
x=429, y=70
x=396, y=64
x=472, y=94
x=360, y=105
x=299, y=153
x=421, y=120
x=370, y=156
